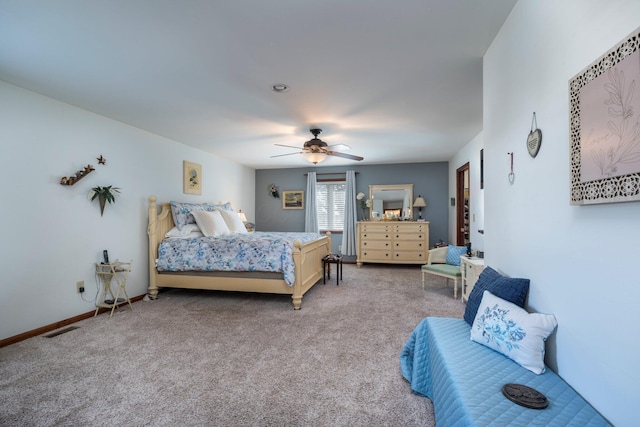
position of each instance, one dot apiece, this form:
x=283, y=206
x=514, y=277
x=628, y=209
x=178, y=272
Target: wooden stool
x=326, y=267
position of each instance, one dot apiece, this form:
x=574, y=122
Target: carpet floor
x=207, y=358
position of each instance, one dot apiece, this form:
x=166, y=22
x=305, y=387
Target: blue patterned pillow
x=453, y=254
x=510, y=330
x=510, y=289
x=182, y=211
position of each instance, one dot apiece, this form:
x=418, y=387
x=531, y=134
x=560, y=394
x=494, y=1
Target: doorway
x=462, y=205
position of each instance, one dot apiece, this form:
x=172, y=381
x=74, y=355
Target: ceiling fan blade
x=339, y=147
x=289, y=154
x=346, y=156
x=288, y=146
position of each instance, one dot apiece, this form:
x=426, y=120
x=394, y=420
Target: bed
x=307, y=266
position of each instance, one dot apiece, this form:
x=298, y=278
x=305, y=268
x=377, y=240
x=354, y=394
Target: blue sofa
x=464, y=381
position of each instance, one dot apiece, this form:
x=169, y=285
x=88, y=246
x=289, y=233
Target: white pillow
x=211, y=223
x=186, y=231
x=512, y=331
x=233, y=221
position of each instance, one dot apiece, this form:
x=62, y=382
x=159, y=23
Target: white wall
x=469, y=153
x=52, y=234
x=582, y=260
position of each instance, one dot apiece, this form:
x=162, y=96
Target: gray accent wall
x=430, y=180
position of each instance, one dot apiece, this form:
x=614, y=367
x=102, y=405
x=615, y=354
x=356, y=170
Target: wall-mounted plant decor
x=604, y=127
x=273, y=191
x=104, y=195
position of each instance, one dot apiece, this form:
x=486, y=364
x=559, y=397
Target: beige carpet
x=231, y=359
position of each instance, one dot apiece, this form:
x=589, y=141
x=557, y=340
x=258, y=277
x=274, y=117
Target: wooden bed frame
x=307, y=259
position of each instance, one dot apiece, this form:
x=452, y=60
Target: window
x=330, y=205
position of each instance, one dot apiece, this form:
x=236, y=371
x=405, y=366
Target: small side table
x=119, y=271
x=326, y=267
x=471, y=269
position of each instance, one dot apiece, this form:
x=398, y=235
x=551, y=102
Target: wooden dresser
x=393, y=242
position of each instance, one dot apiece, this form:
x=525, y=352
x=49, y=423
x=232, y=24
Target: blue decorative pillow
x=453, y=254
x=182, y=211
x=511, y=289
x=510, y=330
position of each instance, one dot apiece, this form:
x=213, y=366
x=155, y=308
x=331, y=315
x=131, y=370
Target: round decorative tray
x=525, y=396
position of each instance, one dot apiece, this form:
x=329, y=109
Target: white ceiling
x=398, y=81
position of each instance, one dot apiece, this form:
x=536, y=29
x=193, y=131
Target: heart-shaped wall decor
x=533, y=142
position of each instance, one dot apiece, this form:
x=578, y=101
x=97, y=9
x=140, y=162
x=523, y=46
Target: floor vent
x=61, y=331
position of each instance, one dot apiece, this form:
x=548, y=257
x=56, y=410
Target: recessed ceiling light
x=280, y=88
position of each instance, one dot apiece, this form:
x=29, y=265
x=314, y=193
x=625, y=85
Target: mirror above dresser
x=394, y=202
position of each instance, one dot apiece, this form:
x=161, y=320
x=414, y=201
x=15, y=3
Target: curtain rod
x=330, y=173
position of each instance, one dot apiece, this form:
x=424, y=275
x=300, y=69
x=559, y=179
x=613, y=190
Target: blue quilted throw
x=414, y=361
x=258, y=251
x=464, y=381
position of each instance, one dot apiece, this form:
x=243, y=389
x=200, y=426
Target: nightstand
x=470, y=269
x=118, y=271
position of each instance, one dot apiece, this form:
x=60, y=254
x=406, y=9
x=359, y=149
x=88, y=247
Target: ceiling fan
x=316, y=150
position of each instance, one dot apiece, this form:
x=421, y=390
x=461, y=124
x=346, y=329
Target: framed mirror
x=391, y=202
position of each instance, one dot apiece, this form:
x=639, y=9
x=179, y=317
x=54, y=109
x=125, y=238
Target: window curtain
x=350, y=216
x=311, y=214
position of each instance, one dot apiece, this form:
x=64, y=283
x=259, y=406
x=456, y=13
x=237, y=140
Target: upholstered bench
x=464, y=381
x=463, y=364
x=444, y=262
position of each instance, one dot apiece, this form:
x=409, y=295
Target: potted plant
x=104, y=195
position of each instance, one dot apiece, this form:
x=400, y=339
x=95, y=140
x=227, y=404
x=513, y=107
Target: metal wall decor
x=604, y=127
x=534, y=139
x=511, y=176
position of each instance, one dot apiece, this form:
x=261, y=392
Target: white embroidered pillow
x=233, y=221
x=211, y=223
x=512, y=331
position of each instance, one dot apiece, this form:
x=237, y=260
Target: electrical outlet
x=340, y=248
x=80, y=286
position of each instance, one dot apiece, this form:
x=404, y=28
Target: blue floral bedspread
x=257, y=251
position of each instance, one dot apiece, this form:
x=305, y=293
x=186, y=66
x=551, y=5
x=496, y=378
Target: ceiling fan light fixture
x=314, y=157
x=280, y=88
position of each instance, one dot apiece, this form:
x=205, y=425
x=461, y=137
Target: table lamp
x=419, y=203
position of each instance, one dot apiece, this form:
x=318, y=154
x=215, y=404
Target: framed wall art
x=293, y=199
x=192, y=178
x=605, y=127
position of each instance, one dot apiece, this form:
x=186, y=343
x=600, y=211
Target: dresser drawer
x=374, y=255
x=376, y=227
x=407, y=227
x=407, y=236
x=409, y=245
x=409, y=256
x=370, y=235
x=376, y=244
